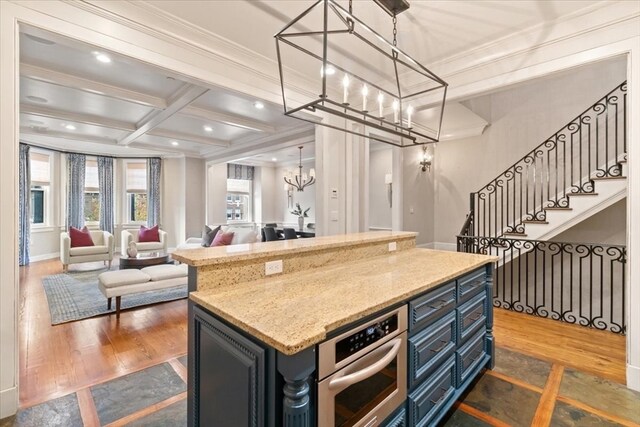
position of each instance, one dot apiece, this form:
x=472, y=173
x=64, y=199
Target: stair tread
x=607, y=178
x=558, y=209
x=582, y=194
x=528, y=221
x=515, y=234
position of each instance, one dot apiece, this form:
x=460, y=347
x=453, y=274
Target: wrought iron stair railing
x=590, y=147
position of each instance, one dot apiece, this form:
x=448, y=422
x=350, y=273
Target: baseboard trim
x=633, y=377
x=8, y=402
x=43, y=257
x=429, y=245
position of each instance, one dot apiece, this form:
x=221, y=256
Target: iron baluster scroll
x=572, y=282
x=366, y=85
x=590, y=147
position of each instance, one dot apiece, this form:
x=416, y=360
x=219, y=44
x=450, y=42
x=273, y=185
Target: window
x=91, y=192
x=136, y=185
x=238, y=200
x=40, y=169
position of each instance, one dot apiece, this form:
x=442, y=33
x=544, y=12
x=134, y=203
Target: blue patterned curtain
x=105, y=185
x=154, y=166
x=24, y=200
x=240, y=171
x=75, y=190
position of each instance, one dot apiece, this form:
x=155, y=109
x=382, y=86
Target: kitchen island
x=349, y=315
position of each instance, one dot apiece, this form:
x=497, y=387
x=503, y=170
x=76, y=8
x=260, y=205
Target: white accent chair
x=128, y=236
x=101, y=251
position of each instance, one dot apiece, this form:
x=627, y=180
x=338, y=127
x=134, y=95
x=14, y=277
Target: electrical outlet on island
x=273, y=267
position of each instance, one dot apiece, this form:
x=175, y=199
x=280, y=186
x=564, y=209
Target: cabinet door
x=226, y=375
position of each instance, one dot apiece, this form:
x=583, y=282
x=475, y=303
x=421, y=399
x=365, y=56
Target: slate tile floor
x=520, y=391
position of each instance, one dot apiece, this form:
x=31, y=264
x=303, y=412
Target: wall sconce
x=388, y=182
x=289, y=190
x=427, y=158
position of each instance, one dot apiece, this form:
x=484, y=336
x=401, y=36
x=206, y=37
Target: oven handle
x=347, y=380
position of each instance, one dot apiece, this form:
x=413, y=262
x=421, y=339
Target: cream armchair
x=101, y=251
x=129, y=236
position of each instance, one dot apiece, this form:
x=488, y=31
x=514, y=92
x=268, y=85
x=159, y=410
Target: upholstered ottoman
x=126, y=282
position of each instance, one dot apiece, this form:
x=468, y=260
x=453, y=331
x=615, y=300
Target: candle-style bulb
x=365, y=92
x=345, y=85
x=409, y=114
x=380, y=100
x=396, y=107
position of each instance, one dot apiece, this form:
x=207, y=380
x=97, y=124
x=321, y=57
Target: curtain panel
x=154, y=166
x=105, y=186
x=24, y=201
x=240, y=171
x=75, y=190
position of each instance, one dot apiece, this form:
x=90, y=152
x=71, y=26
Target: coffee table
x=145, y=260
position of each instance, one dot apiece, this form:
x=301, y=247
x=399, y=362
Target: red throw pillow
x=148, y=234
x=79, y=237
x=222, y=239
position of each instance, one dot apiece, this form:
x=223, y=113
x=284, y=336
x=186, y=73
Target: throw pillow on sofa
x=148, y=234
x=208, y=235
x=80, y=238
x=222, y=239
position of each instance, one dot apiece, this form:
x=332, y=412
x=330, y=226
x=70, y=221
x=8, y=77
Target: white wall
x=194, y=202
x=380, y=164
x=173, y=200
x=520, y=119
x=609, y=226
x=216, y=193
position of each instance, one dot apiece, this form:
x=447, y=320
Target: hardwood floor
x=598, y=352
x=56, y=360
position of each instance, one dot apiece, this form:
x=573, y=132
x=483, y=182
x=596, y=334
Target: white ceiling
x=69, y=99
x=129, y=102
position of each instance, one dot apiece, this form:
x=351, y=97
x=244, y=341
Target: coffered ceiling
x=74, y=97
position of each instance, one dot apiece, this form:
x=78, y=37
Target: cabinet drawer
x=427, y=308
x=471, y=284
x=430, y=347
x=398, y=419
x=472, y=316
x=427, y=400
x=469, y=356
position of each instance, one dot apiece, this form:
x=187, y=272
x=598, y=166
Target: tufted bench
x=126, y=282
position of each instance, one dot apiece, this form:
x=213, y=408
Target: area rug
x=75, y=296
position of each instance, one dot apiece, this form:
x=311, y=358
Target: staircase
x=577, y=172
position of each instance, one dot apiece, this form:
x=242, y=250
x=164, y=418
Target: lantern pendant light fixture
x=300, y=180
x=371, y=87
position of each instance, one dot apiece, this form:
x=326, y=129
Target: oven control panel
x=365, y=337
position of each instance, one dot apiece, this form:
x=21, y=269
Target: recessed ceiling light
x=274, y=159
x=208, y=129
x=37, y=99
x=174, y=142
x=40, y=40
x=102, y=57
x=259, y=105
x=70, y=127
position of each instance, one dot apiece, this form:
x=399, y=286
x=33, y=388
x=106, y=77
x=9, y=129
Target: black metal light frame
x=408, y=136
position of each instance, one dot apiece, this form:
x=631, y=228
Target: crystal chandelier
x=300, y=180
x=368, y=83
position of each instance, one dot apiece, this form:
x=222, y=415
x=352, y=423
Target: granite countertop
x=225, y=254
x=295, y=311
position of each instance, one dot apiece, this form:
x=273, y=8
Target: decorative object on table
x=301, y=215
x=388, y=181
x=208, y=234
x=426, y=159
x=300, y=180
x=77, y=296
x=132, y=250
x=384, y=107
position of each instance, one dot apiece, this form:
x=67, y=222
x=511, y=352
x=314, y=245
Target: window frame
x=91, y=190
x=126, y=206
x=47, y=207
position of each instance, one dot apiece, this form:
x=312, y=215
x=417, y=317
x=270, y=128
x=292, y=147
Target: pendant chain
x=395, y=30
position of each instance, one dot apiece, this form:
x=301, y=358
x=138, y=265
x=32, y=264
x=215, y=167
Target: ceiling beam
x=163, y=133
x=67, y=135
x=227, y=119
x=183, y=97
x=88, y=119
x=90, y=86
